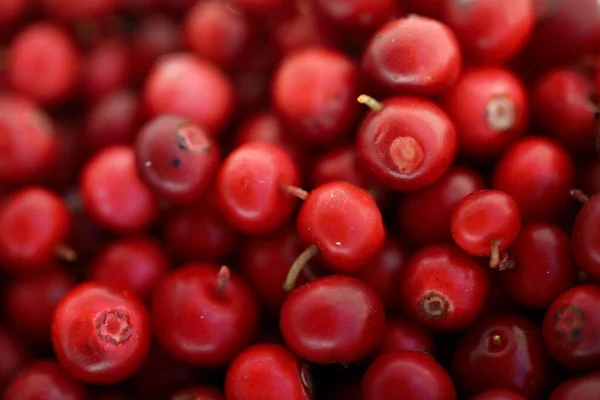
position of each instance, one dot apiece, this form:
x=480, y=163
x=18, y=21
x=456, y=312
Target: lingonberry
x=406, y=143
x=424, y=216
x=585, y=242
x=401, y=334
x=198, y=393
x=43, y=63
x=571, y=328
x=33, y=224
x=562, y=105
x=81, y=10
x=134, y=264
x=431, y=60
x=335, y=319
x=185, y=85
x=175, y=158
x=44, y=380
x=584, y=387
x=488, y=30
x=13, y=357
x=27, y=140
x=113, y=194
x=543, y=265
x=156, y=35
x=326, y=112
x=204, y=315
x=504, y=352
x=537, y=173
x=407, y=373
x=30, y=301
x=486, y=223
x=497, y=394
x=100, y=334
x=489, y=109
x=268, y=372
x=359, y=16
x=216, y=32
x=443, y=288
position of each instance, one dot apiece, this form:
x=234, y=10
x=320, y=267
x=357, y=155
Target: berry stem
x=495, y=255
x=370, y=102
x=223, y=278
x=496, y=340
x=579, y=195
x=294, y=191
x=298, y=266
x=65, y=252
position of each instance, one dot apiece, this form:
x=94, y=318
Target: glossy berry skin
x=178, y=84
x=407, y=373
x=501, y=353
x=401, y=334
x=113, y=194
x=497, y=394
x=268, y=372
x=198, y=393
x=345, y=224
x=431, y=61
x=424, y=216
x=249, y=188
x=585, y=242
x=538, y=174
x=199, y=323
x=571, y=328
x=335, y=319
x=489, y=108
x=100, y=334
x=483, y=217
x=326, y=112
x=585, y=387
x=176, y=159
x=408, y=144
x=543, y=265
x=300, y=29
x=45, y=380
x=443, y=288
x=14, y=356
x=43, y=63
x=489, y=31
x=33, y=223
x=359, y=16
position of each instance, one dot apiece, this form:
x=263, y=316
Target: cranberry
x=267, y=372
x=401, y=334
x=583, y=388
x=335, y=319
x=106, y=68
x=407, y=373
x=155, y=36
x=537, y=173
x=13, y=357
x=80, y=10
x=326, y=112
x=357, y=16
x=497, y=394
x=443, y=288
x=501, y=353
x=431, y=60
x=489, y=109
x=571, y=328
x=183, y=84
x=204, y=315
x=44, y=380
x=113, y=194
x=175, y=158
x=406, y=143
x=198, y=393
x=585, y=237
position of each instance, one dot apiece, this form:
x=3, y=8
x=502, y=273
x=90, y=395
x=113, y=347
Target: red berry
x=106, y=68
x=585, y=239
x=268, y=372
x=100, y=335
x=400, y=334
x=498, y=394
x=175, y=158
x=113, y=194
x=13, y=357
x=430, y=62
x=198, y=393
x=571, y=328
x=409, y=374
x=44, y=380
x=300, y=29
x=326, y=112
x=489, y=109
x=204, y=316
x=537, y=173
x=501, y=353
x=585, y=387
x=443, y=288
x=357, y=16
x=335, y=319
x=156, y=35
x=12, y=10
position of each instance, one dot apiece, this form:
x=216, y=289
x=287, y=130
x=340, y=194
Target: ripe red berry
x=326, y=112
x=585, y=387
x=14, y=356
x=498, y=394
x=44, y=380
x=198, y=393
x=586, y=246
x=401, y=334
x=300, y=29
x=490, y=110
x=155, y=36
x=431, y=60
x=268, y=372
x=359, y=16
x=409, y=374
x=501, y=353
x=405, y=143
x=204, y=315
x=12, y=10
x=249, y=187
x=571, y=328
x=443, y=288
x=175, y=158
x=335, y=319
x=100, y=335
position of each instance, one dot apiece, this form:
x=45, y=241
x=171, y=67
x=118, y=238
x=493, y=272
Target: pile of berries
x=300, y=199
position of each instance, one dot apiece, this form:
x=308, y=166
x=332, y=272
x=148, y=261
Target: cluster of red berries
x=300, y=199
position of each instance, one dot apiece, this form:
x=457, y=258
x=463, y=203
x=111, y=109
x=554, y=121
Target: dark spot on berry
x=176, y=162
